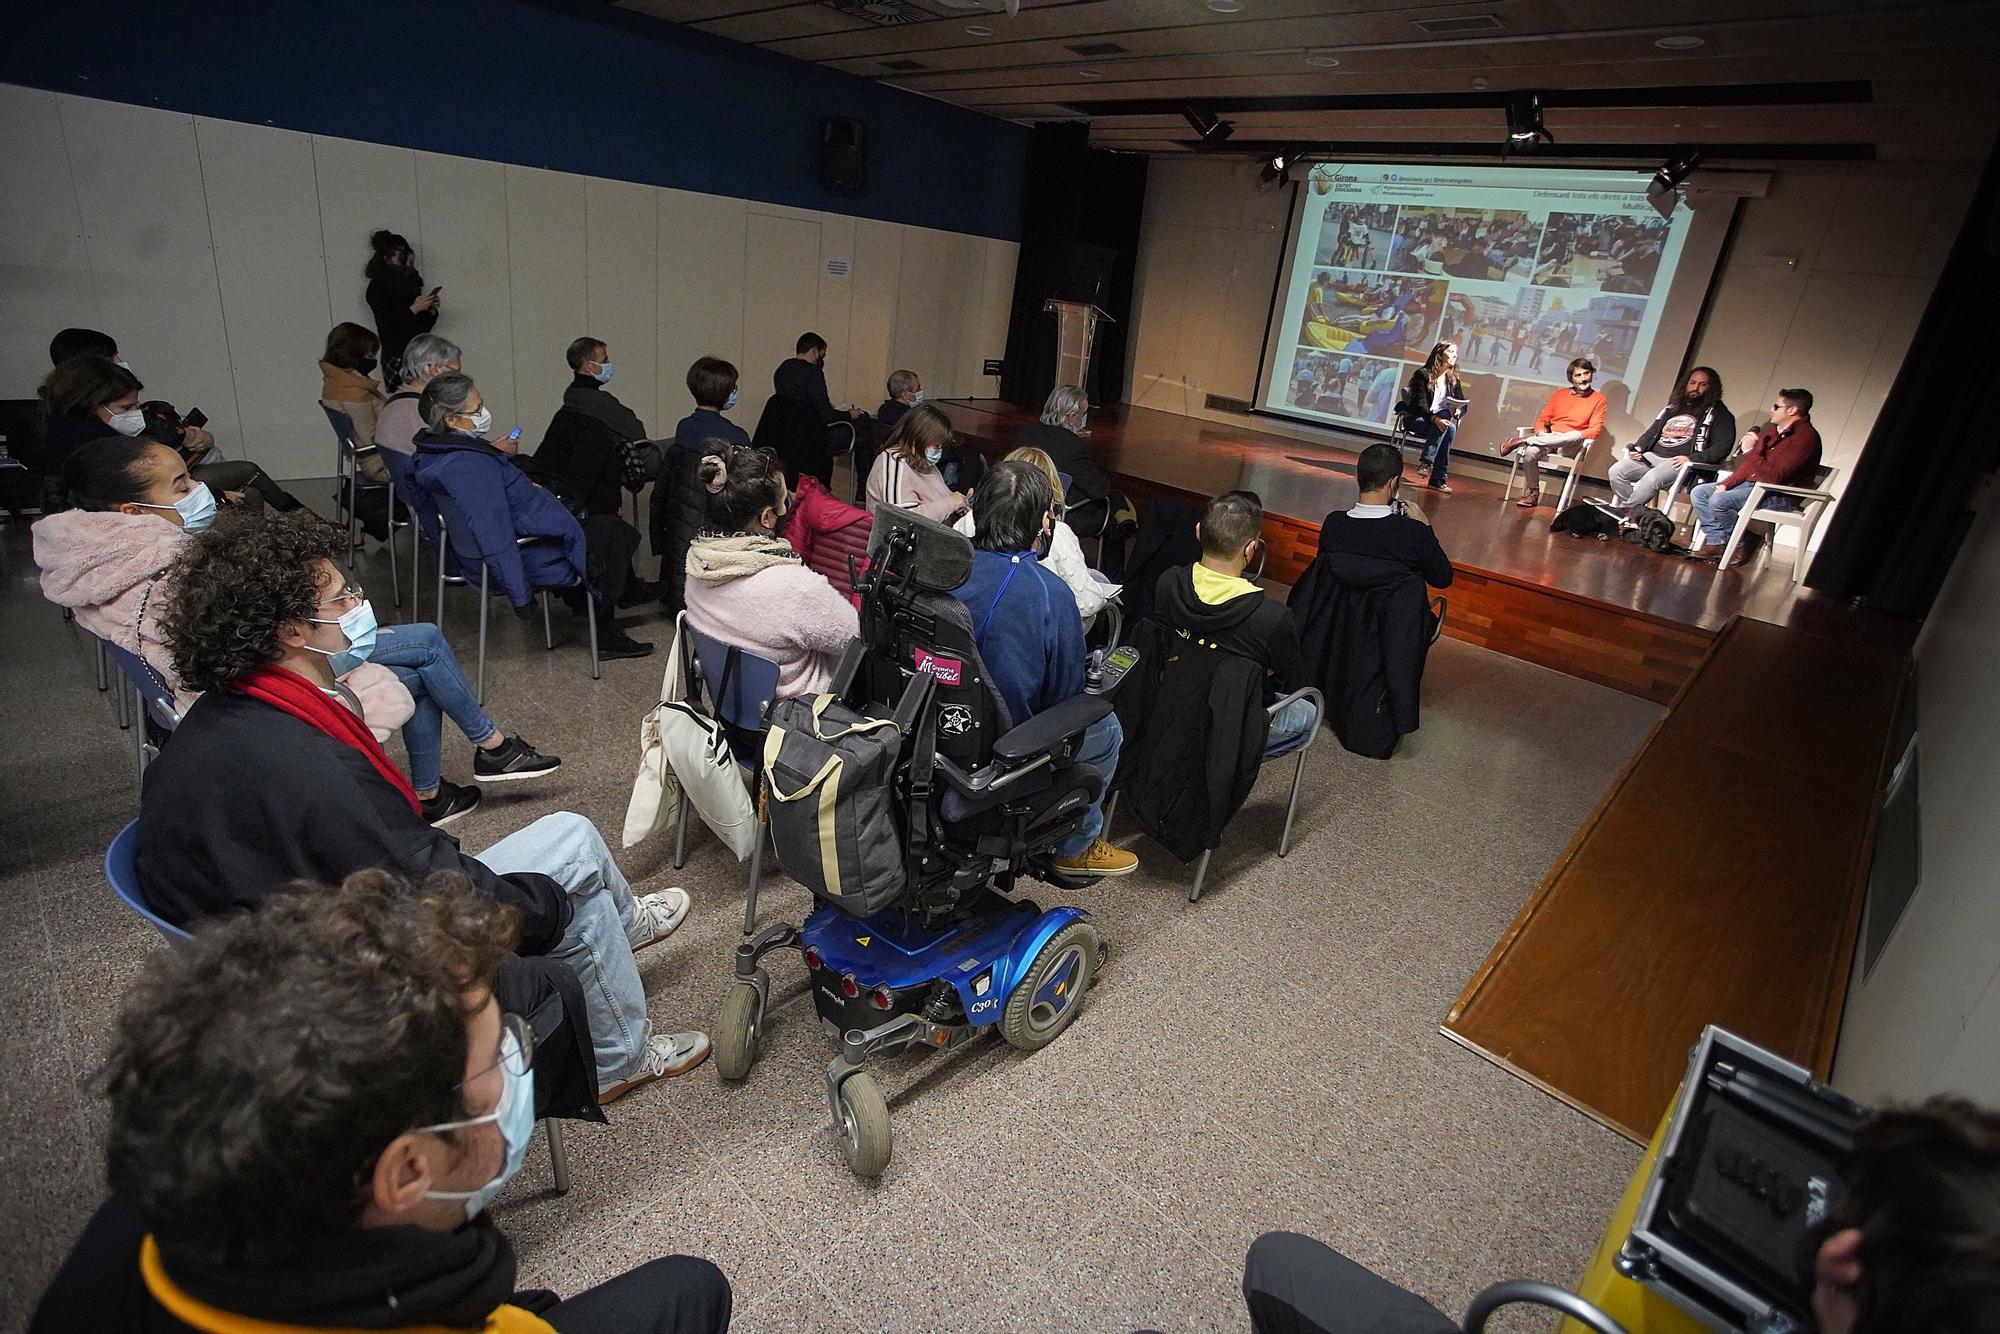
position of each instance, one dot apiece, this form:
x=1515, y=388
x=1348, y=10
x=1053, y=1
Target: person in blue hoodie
x=489, y=504
x=1031, y=637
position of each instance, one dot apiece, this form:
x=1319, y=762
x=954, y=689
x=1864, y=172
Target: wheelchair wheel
x=737, y=1031
x=864, y=1125
x=1048, y=998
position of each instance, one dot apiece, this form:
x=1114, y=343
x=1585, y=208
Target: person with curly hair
x=273, y=777
x=311, y=1107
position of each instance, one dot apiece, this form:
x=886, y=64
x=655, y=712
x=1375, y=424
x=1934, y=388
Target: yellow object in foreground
x=1640, y=1310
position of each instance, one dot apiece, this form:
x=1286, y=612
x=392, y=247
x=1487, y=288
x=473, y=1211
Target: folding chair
x=739, y=687
x=150, y=698
x=349, y=475
x=1811, y=501
x=1570, y=465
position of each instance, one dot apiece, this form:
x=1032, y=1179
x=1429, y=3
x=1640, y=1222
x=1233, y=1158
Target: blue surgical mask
x=604, y=373
x=916, y=398
x=1083, y=423
x=196, y=508
x=934, y=453
x=733, y=396
x=358, y=624
x=516, y=1118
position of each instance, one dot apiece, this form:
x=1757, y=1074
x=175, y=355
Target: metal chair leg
x=558, y=1155
x=353, y=513
x=103, y=666
x=395, y=576
x=1111, y=811
x=590, y=604
x=1292, y=806
x=444, y=545
x=124, y=705
x=548, y=631
x=1200, y=874
x=681, y=830
x=756, y=878
x=482, y=634
x=138, y=737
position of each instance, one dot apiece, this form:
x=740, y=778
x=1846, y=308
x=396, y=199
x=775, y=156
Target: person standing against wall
x=403, y=309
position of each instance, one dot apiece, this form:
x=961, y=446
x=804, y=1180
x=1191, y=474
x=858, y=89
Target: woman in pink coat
x=825, y=530
x=905, y=474
x=104, y=560
x=747, y=587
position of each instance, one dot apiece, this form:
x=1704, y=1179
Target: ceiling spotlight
x=1207, y=128
x=1322, y=59
x=1524, y=121
x=1663, y=191
x=1273, y=169
x=1683, y=42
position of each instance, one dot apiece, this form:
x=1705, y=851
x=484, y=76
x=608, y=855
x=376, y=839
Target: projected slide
x=1524, y=268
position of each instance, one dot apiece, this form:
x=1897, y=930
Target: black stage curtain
x=1906, y=509
x=1079, y=242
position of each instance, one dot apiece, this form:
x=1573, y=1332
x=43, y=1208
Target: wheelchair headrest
x=937, y=558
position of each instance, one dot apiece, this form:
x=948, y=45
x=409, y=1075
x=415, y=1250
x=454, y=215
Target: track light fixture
x=1208, y=129
x=1524, y=122
x=1663, y=190
x=1274, y=167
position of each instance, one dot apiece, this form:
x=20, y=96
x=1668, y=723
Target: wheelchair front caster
x=738, y=1029
x=864, y=1125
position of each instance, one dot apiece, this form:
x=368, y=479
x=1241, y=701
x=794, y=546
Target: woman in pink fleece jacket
x=105, y=559
x=906, y=474
x=747, y=587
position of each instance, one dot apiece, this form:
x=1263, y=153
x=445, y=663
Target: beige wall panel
x=1899, y=327
x=265, y=222
x=1878, y=221
x=1953, y=199
x=623, y=275
x=42, y=253
x=700, y=298
x=363, y=188
x=1750, y=316
x=996, y=310
x=545, y=237
x=927, y=332
x=138, y=185
x=832, y=313
x=1835, y=336
x=871, y=315
x=462, y=209
x=1791, y=220
x=781, y=267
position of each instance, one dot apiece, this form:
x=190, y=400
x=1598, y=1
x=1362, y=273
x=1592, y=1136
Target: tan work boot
x=1099, y=859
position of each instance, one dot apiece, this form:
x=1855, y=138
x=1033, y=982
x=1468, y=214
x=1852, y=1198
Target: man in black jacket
x=311, y=1107
x=267, y=781
x=590, y=370
x=1211, y=601
x=803, y=377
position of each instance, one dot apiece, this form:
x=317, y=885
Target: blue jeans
x=423, y=662
x=1436, y=454
x=1716, y=511
x=597, y=948
x=1101, y=742
x=1290, y=726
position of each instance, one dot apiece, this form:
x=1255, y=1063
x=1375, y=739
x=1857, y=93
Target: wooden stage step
x=1720, y=880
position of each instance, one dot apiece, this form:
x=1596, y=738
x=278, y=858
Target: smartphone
x=437, y=289
x=514, y=434
x=194, y=417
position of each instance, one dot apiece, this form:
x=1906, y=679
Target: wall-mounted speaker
x=843, y=155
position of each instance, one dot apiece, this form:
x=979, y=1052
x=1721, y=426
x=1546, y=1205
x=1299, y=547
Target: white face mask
x=482, y=420
x=128, y=423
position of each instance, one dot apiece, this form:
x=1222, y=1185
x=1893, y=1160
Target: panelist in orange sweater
x=1571, y=415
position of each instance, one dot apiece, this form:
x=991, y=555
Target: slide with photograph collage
x=1522, y=279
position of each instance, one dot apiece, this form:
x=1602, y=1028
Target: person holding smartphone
x=396, y=293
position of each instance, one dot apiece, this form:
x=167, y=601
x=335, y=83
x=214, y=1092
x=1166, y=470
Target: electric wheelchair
x=946, y=952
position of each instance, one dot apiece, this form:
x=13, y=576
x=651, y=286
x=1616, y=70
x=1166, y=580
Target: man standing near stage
x=1571, y=416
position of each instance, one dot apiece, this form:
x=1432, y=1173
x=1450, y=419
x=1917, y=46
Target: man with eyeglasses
x=272, y=777
x=311, y=1107
x=1784, y=453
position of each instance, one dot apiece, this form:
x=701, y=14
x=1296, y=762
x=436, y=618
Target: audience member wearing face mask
x=311, y=1108
x=348, y=384
x=1063, y=555
x=746, y=585
x=905, y=475
x=107, y=560
x=273, y=775
x=90, y=396
x=491, y=504
x=591, y=369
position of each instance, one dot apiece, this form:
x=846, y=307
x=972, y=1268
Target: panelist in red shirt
x=1784, y=453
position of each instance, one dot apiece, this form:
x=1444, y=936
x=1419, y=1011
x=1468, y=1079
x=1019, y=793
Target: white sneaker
x=659, y=916
x=667, y=1055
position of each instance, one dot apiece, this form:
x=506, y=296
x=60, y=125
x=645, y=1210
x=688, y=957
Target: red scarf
x=291, y=693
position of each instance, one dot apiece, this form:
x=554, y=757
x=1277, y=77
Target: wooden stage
x=1610, y=612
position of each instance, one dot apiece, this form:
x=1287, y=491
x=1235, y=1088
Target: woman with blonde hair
x=905, y=474
x=1064, y=558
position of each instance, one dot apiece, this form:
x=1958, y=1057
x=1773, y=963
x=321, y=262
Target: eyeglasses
x=349, y=594
x=517, y=1061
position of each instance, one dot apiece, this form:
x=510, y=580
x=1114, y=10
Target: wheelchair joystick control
x=1107, y=667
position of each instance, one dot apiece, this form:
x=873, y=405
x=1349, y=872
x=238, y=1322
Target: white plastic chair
x=1569, y=464
x=1812, y=500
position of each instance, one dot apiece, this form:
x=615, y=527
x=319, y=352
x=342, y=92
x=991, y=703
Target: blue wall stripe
x=560, y=84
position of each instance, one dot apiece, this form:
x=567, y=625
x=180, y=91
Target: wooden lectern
x=1076, y=333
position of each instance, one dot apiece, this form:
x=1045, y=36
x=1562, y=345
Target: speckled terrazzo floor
x=1267, y=1058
